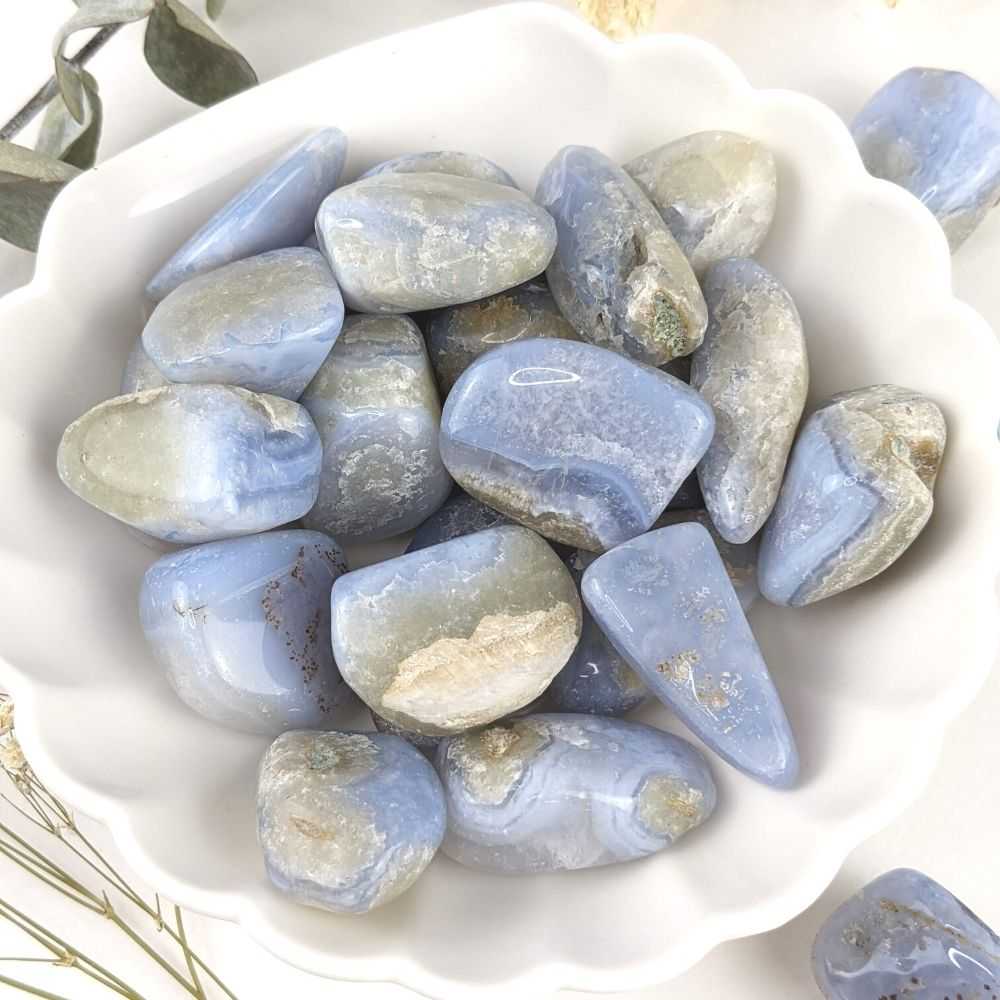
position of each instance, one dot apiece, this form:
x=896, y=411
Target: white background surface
x=837, y=50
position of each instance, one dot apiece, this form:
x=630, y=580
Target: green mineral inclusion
x=668, y=327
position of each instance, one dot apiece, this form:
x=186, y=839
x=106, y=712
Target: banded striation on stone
x=443, y=161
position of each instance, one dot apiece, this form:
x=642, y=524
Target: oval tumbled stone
x=583, y=445
x=403, y=242
x=443, y=161
x=140, y=373
x=265, y=323
x=857, y=492
x=618, y=274
x=551, y=792
x=194, y=463
x=458, y=634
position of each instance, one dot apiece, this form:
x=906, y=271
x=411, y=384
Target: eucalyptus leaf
x=66, y=139
x=29, y=181
x=215, y=8
x=191, y=58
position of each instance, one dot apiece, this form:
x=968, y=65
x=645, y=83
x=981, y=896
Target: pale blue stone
x=936, y=133
x=242, y=629
x=667, y=604
x=443, y=162
x=140, y=373
x=905, y=937
x=459, y=515
x=584, y=445
x=274, y=210
x=265, y=323
x=347, y=821
x=551, y=792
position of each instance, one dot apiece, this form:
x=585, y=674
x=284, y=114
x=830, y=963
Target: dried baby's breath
x=619, y=19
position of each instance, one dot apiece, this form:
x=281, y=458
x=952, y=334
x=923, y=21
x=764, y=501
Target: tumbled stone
x=265, y=323
x=194, y=463
x=347, y=821
x=459, y=515
x=858, y=490
x=906, y=936
x=583, y=445
x=618, y=275
x=242, y=629
x=140, y=373
x=753, y=371
x=551, y=792
x=403, y=242
x=667, y=604
x=376, y=408
x=716, y=191
x=443, y=162
x=458, y=335
x=274, y=210
x=936, y=133
x=459, y=634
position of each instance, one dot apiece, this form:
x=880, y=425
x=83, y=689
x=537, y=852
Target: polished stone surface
x=347, y=821
x=582, y=444
x=618, y=274
x=551, y=792
x=140, y=373
x=459, y=634
x=858, y=490
x=716, y=191
x=274, y=210
x=443, y=161
x=904, y=936
x=459, y=515
x=265, y=323
x=194, y=463
x=667, y=604
x=936, y=133
x=753, y=371
x=405, y=242
x=242, y=629
x=376, y=407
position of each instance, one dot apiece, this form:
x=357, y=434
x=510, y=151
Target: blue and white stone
x=459, y=515
x=194, y=463
x=908, y=937
x=552, y=792
x=274, y=210
x=858, y=490
x=716, y=191
x=242, y=629
x=265, y=323
x=584, y=445
x=618, y=274
x=666, y=602
x=753, y=371
x=347, y=821
x=404, y=242
x=140, y=373
x=458, y=335
x=376, y=407
x=443, y=161
x=936, y=133
x=457, y=635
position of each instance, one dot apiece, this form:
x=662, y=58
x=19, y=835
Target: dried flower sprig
x=619, y=19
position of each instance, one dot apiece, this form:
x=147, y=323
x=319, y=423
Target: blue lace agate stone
x=667, y=604
x=858, y=490
x=583, y=445
x=242, y=629
x=443, y=162
x=275, y=210
x=551, y=792
x=936, y=133
x=347, y=821
x=265, y=323
x=140, y=373
x=907, y=937
x=459, y=515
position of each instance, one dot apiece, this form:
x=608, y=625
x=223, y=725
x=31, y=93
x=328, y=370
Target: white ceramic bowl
x=870, y=678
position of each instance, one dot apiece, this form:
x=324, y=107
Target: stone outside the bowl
x=242, y=629
x=194, y=463
x=904, y=935
x=459, y=515
x=376, y=407
x=553, y=792
x=584, y=445
x=858, y=490
x=443, y=162
x=275, y=210
x=936, y=133
x=459, y=634
x=140, y=373
x=664, y=599
x=347, y=821
x=406, y=242
x=618, y=274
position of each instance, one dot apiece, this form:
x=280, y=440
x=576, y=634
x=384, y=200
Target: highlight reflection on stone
x=443, y=162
